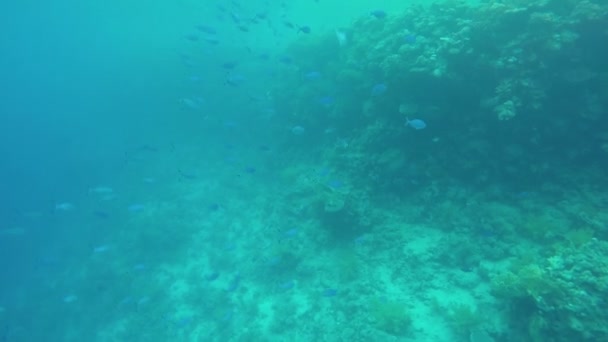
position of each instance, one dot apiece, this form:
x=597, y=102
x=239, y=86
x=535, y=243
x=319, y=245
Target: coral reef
x=562, y=295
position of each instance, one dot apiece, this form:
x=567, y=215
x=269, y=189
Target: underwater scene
x=306, y=170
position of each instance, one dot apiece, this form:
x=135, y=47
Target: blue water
x=305, y=170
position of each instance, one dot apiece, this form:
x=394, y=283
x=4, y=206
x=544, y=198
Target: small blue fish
x=101, y=249
x=193, y=37
x=410, y=39
x=143, y=300
x=324, y=171
x=361, y=239
x=234, y=284
x=184, y=321
x=273, y=261
x=326, y=101
x=416, y=124
x=335, y=184
x=342, y=38
x=212, y=41
x=230, y=246
x=126, y=301
x=212, y=276
x=134, y=208
x=104, y=190
x=304, y=29
x=101, y=214
x=293, y=232
x=229, y=65
x=312, y=75
x=194, y=103
x=139, y=267
x=330, y=292
x=286, y=286
x=298, y=130
x=187, y=174
x=380, y=14
x=226, y=317
x=206, y=29
x=235, y=80
x=235, y=17
x=379, y=89
x=71, y=298
x=286, y=59
x=65, y=206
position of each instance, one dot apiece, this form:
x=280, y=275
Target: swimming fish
x=71, y=298
x=329, y=292
x=206, y=29
x=64, y=206
x=416, y=124
x=341, y=36
x=101, y=248
x=409, y=39
x=298, y=130
x=379, y=89
x=312, y=75
x=304, y=29
x=102, y=190
x=194, y=104
x=326, y=100
x=380, y=14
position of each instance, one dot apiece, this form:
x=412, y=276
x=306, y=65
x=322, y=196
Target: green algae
x=392, y=317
